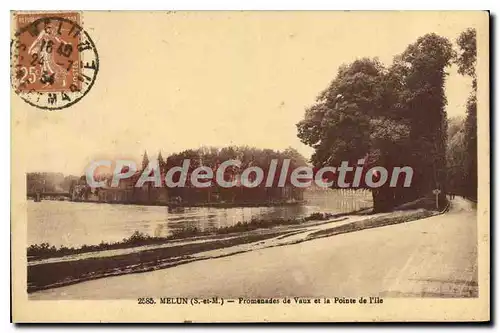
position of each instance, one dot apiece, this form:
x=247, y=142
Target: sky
x=174, y=81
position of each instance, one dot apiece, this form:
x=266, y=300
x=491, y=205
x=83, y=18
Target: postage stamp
x=261, y=166
x=54, y=62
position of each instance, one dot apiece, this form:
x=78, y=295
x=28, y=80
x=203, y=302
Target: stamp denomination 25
x=54, y=62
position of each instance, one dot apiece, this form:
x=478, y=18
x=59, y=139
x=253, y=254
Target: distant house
x=127, y=193
x=113, y=195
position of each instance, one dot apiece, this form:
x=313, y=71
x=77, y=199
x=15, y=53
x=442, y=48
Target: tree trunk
x=383, y=199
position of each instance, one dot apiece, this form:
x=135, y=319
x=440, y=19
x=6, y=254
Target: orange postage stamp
x=54, y=62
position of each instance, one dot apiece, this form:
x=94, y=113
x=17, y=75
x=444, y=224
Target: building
x=128, y=193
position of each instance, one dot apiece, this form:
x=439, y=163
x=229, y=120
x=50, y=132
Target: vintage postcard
x=174, y=166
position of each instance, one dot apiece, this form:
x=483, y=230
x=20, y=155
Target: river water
x=77, y=223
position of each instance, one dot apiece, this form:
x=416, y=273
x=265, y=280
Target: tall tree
x=355, y=118
x=466, y=61
x=391, y=117
x=426, y=61
x=145, y=160
x=455, y=156
x=162, y=164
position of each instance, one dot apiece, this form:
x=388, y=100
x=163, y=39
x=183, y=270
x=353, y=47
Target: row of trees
x=461, y=156
x=48, y=182
x=466, y=62
x=392, y=116
x=212, y=157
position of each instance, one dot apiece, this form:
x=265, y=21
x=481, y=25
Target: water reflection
x=74, y=224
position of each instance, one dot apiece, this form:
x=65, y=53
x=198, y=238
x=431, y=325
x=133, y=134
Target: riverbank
x=434, y=257
x=194, y=205
x=45, y=250
x=52, y=272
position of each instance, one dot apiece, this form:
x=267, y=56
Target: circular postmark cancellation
x=54, y=62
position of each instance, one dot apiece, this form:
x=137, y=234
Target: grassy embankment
x=45, y=275
x=45, y=250
x=373, y=222
x=410, y=211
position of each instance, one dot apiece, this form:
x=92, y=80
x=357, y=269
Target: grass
x=428, y=202
x=44, y=275
x=373, y=222
x=260, y=224
x=45, y=250
x=56, y=274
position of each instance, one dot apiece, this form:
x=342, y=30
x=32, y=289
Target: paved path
x=433, y=257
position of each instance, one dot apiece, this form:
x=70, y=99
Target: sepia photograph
x=223, y=166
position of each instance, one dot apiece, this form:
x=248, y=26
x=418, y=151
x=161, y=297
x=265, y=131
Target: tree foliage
x=248, y=156
x=466, y=58
x=455, y=156
x=466, y=61
x=390, y=116
x=427, y=60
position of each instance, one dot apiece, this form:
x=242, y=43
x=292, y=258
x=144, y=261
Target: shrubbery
x=45, y=250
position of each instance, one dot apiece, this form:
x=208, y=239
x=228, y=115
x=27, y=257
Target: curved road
x=432, y=257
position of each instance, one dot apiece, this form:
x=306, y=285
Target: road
x=432, y=257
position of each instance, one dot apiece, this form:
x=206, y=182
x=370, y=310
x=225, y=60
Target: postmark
x=54, y=62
